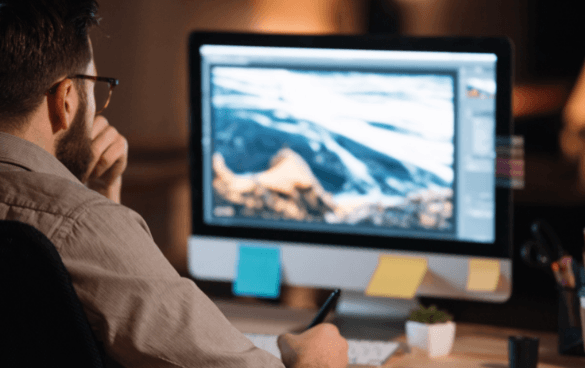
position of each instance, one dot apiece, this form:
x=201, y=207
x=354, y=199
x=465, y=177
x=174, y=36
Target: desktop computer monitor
x=341, y=149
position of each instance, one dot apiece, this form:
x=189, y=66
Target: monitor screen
x=369, y=142
x=350, y=141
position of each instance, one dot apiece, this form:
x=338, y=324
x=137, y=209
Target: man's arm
x=143, y=311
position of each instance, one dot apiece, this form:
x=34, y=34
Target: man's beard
x=74, y=148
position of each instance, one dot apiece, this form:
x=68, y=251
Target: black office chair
x=42, y=323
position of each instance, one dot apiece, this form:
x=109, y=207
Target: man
x=61, y=171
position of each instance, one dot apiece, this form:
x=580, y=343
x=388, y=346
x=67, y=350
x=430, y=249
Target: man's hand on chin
x=110, y=157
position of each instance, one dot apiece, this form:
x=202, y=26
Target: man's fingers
x=100, y=143
x=99, y=124
x=113, y=159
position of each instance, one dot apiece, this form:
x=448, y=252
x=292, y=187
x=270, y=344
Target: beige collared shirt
x=144, y=312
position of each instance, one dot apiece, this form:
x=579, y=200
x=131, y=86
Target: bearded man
x=61, y=168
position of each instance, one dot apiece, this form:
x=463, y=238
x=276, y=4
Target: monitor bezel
x=500, y=46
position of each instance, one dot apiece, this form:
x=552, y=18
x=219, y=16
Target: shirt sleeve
x=144, y=312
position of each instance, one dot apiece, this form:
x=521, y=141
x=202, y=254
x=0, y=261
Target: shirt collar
x=20, y=152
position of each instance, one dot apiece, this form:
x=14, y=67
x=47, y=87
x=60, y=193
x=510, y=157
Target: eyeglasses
x=102, y=91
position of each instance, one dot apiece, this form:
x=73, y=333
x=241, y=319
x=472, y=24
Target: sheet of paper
x=258, y=272
x=397, y=277
x=483, y=275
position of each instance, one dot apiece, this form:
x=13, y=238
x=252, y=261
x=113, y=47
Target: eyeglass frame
x=113, y=82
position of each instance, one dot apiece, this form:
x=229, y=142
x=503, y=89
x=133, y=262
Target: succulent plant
x=430, y=315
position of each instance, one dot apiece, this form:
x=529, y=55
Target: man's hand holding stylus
x=319, y=346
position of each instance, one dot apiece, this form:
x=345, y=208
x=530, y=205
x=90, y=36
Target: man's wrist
x=114, y=194
x=112, y=191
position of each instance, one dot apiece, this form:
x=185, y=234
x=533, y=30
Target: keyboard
x=368, y=352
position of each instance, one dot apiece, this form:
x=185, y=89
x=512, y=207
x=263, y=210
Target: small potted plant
x=432, y=330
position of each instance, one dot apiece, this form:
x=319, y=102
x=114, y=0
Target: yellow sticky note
x=397, y=277
x=484, y=275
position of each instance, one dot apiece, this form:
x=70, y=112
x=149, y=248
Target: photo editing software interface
x=366, y=142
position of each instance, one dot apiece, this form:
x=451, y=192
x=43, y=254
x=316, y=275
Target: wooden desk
x=487, y=347
x=479, y=346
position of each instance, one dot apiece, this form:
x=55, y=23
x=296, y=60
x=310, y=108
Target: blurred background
x=143, y=43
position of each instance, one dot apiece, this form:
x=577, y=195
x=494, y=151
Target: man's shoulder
x=55, y=205
x=46, y=193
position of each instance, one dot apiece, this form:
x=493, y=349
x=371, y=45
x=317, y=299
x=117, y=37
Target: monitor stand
x=362, y=317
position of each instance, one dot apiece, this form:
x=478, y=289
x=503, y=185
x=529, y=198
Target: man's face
x=74, y=148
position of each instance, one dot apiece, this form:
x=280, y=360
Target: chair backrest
x=42, y=322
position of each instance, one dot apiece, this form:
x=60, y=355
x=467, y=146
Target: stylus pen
x=325, y=309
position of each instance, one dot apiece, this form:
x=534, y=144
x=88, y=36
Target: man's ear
x=62, y=105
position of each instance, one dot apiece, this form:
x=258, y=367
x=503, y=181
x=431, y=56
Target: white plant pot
x=437, y=339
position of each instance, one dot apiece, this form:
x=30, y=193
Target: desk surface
x=475, y=345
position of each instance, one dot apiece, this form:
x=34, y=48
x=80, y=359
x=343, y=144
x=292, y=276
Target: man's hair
x=40, y=41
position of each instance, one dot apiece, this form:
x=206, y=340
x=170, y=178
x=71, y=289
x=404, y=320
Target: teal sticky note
x=258, y=272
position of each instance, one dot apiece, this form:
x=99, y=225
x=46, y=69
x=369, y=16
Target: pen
x=325, y=309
